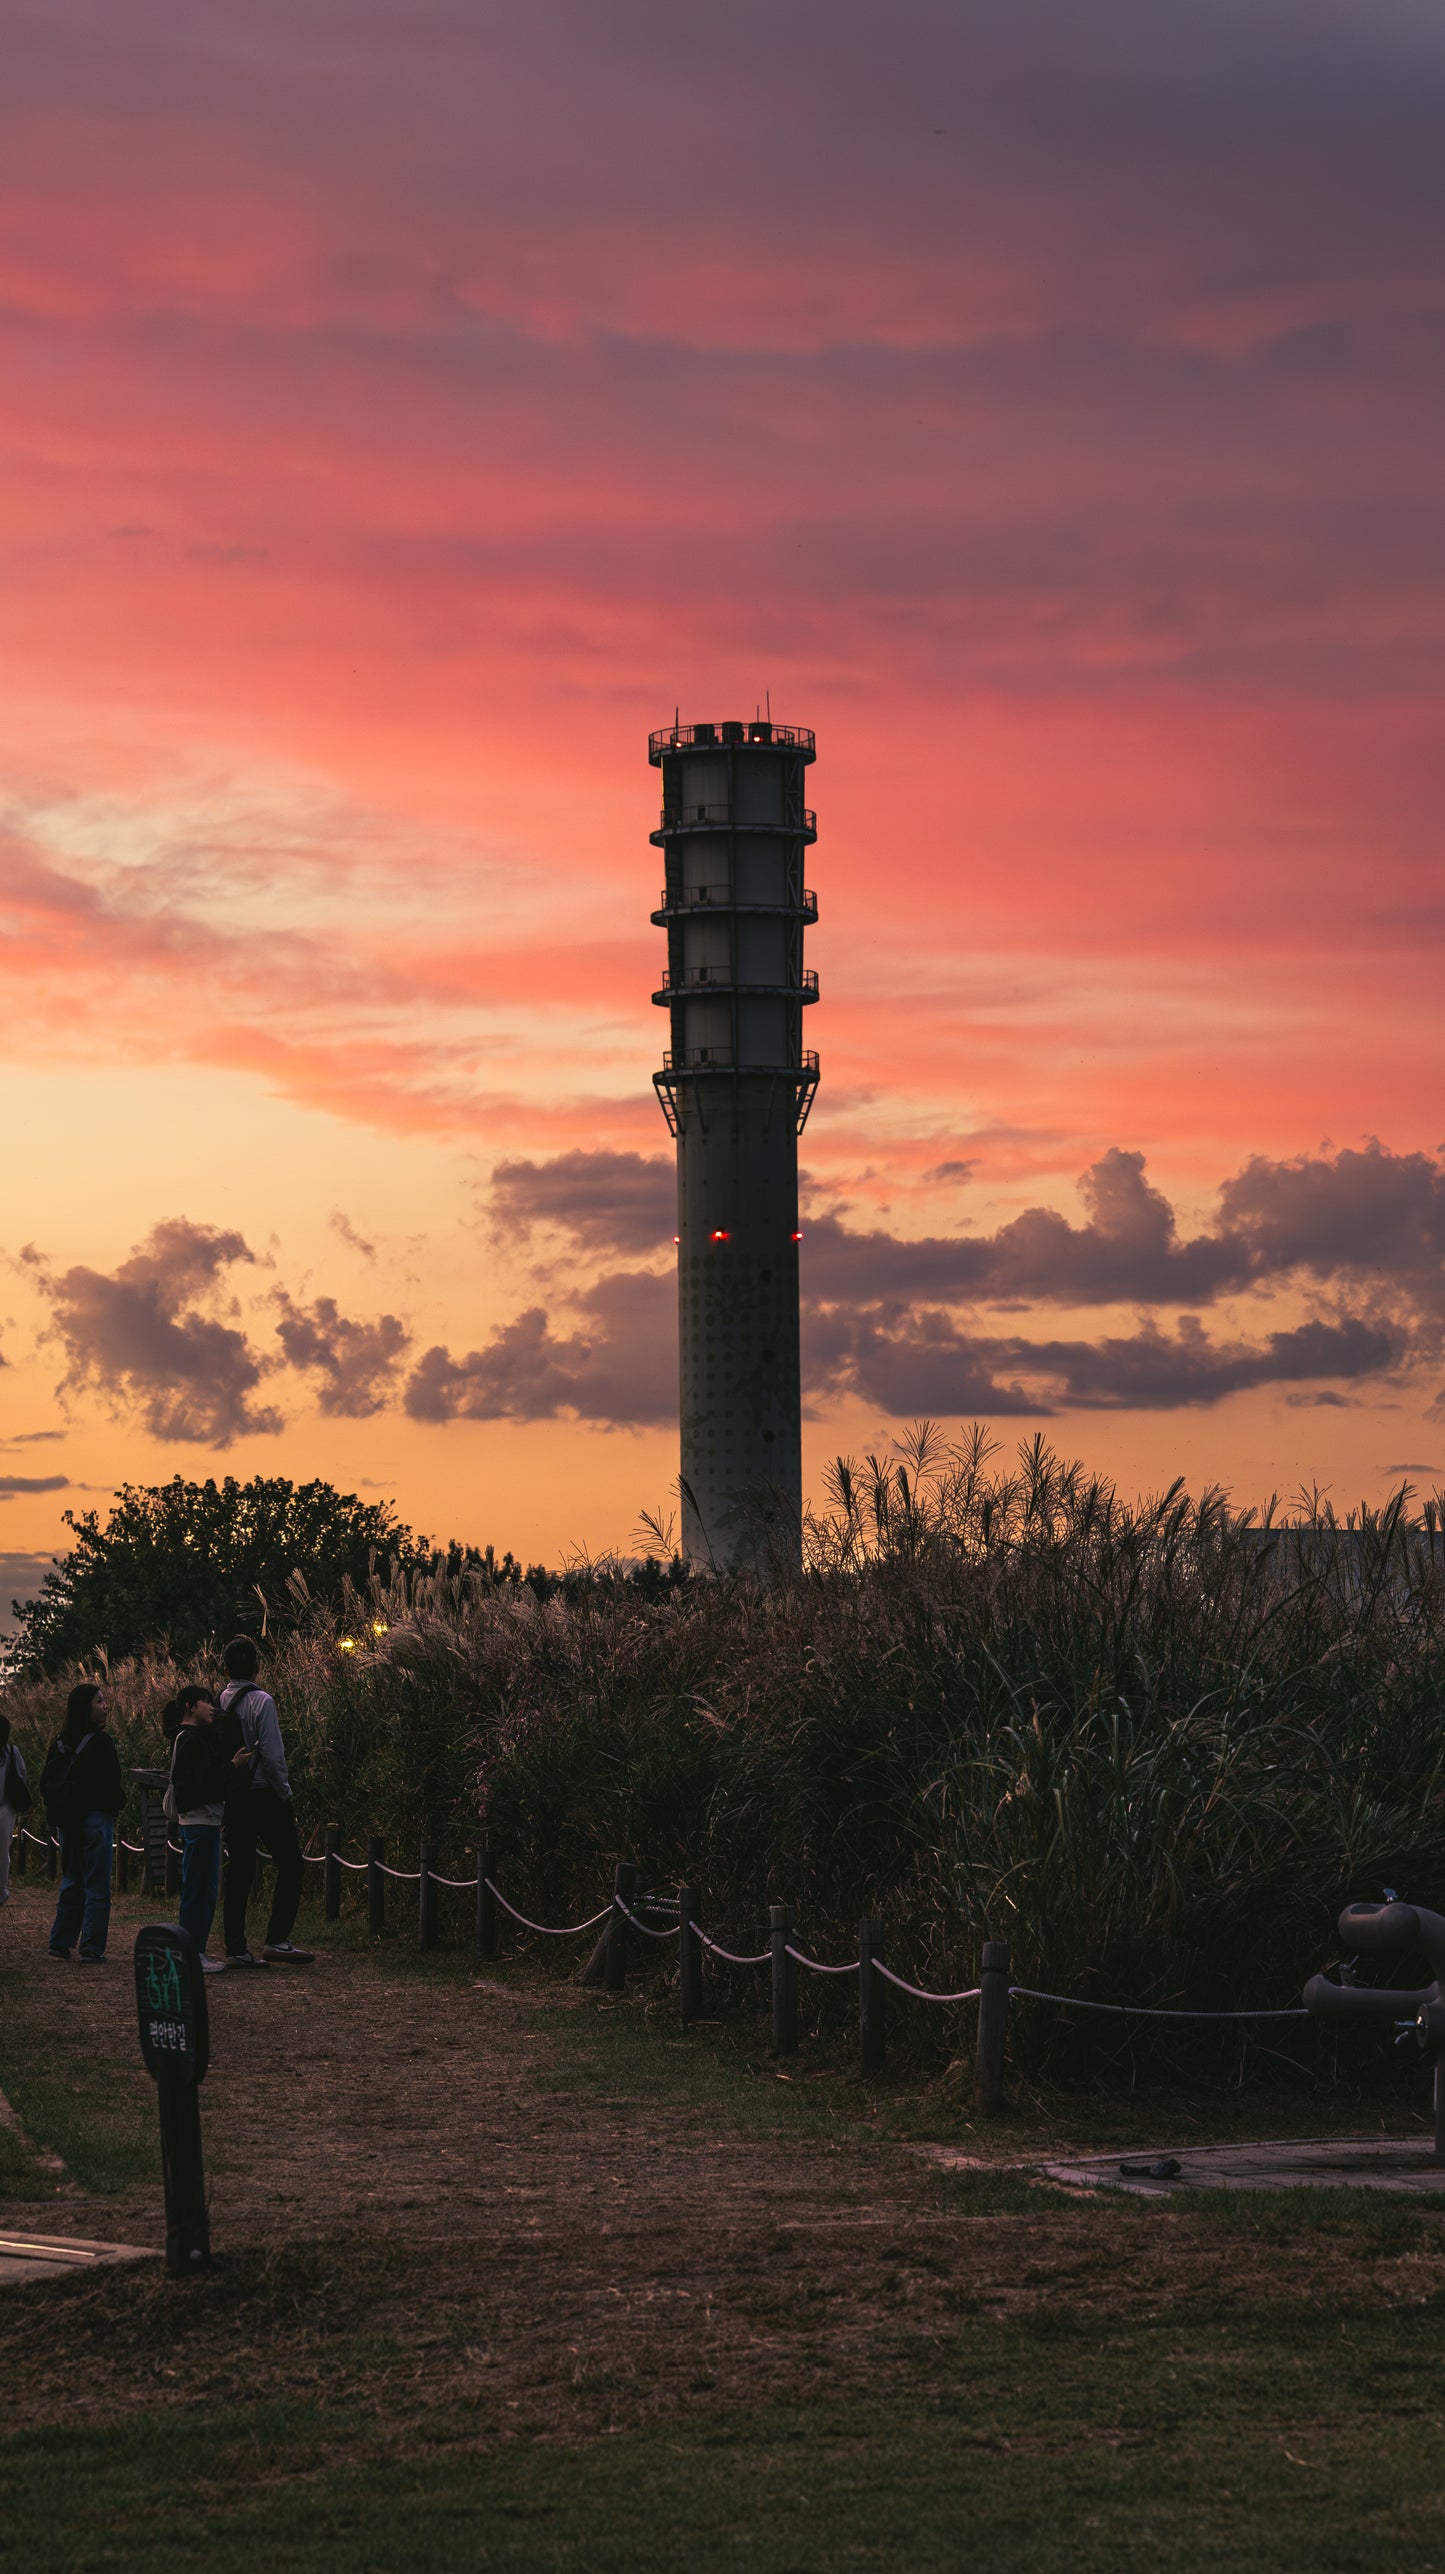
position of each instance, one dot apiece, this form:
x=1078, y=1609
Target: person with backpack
x=196, y=1803
x=15, y=1800
x=84, y=1792
x=259, y=1813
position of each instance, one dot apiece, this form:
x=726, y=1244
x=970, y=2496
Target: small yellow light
x=347, y=1643
x=379, y=1627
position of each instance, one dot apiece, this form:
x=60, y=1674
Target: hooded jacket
x=260, y=1733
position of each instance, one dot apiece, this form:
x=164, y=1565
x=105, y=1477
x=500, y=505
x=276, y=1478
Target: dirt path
x=425, y=2202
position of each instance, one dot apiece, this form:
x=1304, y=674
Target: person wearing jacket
x=14, y=1800
x=200, y=1777
x=84, y=1792
x=259, y=1812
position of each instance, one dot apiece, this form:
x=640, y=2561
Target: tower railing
x=720, y=1059
x=717, y=898
x=720, y=817
x=731, y=737
x=708, y=978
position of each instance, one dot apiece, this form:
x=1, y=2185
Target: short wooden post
x=624, y=1891
x=486, y=1902
x=122, y=1863
x=331, y=1872
x=426, y=1909
x=992, y=2027
x=689, y=1954
x=375, y=1888
x=154, y=1829
x=785, y=1981
x=52, y=1856
x=871, y=1991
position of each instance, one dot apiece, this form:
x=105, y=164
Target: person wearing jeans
x=83, y=1792
x=14, y=1801
x=259, y=1812
x=200, y=1776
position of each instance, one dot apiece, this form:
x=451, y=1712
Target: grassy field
x=1228, y=2443
x=511, y=2276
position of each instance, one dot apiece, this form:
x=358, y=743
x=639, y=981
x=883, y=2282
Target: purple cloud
x=141, y=1336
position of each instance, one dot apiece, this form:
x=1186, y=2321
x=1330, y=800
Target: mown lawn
x=1298, y=2442
x=1257, y=2383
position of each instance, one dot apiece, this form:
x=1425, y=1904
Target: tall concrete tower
x=736, y=1086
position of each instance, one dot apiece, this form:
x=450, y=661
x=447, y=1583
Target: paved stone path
x=1312, y=2163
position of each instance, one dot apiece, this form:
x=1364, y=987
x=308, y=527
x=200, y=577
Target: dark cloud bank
x=1364, y=1229
x=925, y=1326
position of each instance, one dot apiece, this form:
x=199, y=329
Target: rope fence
x=1143, y=2010
x=730, y=1956
x=645, y=1927
x=628, y=1912
x=970, y=1993
x=813, y=1966
x=550, y=1930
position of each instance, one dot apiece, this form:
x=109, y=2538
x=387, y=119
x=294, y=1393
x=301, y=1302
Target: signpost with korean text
x=170, y=1995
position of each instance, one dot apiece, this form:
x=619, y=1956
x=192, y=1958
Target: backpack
x=169, y=1806
x=57, y=1780
x=232, y=1734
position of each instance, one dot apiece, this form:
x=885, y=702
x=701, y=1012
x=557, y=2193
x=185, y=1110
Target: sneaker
x=213, y=1966
x=243, y=1958
x=62, y=1953
x=284, y=1954
x=93, y=1961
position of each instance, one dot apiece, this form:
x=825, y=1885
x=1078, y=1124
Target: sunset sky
x=406, y=406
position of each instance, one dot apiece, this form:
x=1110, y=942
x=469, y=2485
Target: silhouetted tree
x=189, y=1563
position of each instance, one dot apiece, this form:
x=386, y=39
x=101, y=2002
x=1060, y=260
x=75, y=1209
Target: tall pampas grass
x=1155, y=1745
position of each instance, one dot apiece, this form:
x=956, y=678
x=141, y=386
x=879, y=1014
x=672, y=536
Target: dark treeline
x=183, y=1565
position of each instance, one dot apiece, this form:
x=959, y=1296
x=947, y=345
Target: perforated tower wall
x=736, y=1087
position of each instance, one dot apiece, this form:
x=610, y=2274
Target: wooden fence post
x=486, y=1902
x=785, y=1981
x=689, y=1954
x=122, y=1862
x=154, y=1829
x=624, y=1891
x=331, y=1873
x=871, y=1989
x=426, y=1910
x=375, y=1888
x=992, y=2027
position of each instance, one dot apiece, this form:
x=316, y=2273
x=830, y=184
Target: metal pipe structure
x=1417, y=2011
x=736, y=1086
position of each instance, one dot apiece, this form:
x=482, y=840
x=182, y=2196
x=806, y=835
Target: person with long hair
x=200, y=1778
x=15, y=1800
x=84, y=1792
